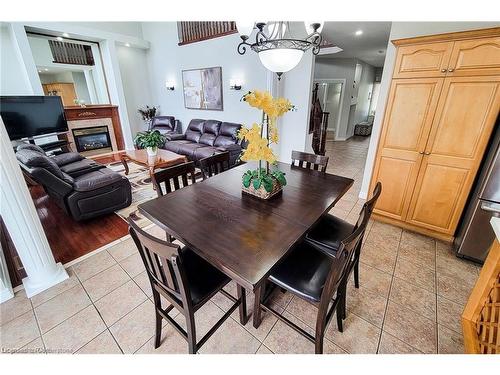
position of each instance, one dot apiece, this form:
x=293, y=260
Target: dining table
x=241, y=235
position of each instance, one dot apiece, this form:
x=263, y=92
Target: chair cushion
x=30, y=146
x=328, y=233
x=96, y=179
x=203, y=279
x=67, y=157
x=174, y=145
x=227, y=134
x=205, y=152
x=188, y=149
x=303, y=272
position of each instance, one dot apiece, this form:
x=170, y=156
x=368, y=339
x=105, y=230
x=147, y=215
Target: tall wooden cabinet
x=441, y=110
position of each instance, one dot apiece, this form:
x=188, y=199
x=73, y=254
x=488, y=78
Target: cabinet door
x=423, y=60
x=475, y=57
x=465, y=117
x=407, y=122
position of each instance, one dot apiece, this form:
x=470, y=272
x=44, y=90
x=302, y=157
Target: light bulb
x=280, y=60
x=245, y=27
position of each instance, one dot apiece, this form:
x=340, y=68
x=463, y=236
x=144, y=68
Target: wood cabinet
x=65, y=90
x=435, y=132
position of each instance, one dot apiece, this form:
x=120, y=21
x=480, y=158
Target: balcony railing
x=71, y=53
x=191, y=32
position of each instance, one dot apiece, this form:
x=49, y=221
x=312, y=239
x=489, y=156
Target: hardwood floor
x=70, y=239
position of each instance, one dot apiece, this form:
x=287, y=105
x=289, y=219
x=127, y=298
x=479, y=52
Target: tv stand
x=62, y=144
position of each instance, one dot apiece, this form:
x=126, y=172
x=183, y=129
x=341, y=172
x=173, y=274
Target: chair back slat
x=367, y=209
x=317, y=162
x=215, y=164
x=159, y=258
x=174, y=178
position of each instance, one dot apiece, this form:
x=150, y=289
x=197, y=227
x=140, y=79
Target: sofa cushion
x=227, y=134
x=29, y=146
x=195, y=130
x=210, y=131
x=205, y=152
x=81, y=167
x=33, y=159
x=67, y=158
x=174, y=145
x=163, y=123
x=188, y=149
x=96, y=179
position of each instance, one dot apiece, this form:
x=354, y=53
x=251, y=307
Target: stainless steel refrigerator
x=475, y=235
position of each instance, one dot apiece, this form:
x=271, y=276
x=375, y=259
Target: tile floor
x=412, y=293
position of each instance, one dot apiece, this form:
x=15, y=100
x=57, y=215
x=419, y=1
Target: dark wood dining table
x=241, y=235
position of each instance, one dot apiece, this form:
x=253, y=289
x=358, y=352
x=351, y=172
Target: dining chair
x=215, y=164
x=186, y=281
x=312, y=161
x=315, y=277
x=174, y=178
x=328, y=233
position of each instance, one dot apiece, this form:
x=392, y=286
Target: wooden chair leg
x=319, y=345
x=356, y=273
x=339, y=318
x=191, y=333
x=257, y=317
x=243, y=305
x=158, y=330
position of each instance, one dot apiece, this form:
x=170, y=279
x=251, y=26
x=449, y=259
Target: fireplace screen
x=95, y=138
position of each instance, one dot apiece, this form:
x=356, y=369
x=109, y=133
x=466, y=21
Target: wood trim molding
x=459, y=35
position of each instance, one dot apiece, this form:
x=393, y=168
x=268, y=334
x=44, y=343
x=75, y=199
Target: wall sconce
x=235, y=84
x=170, y=85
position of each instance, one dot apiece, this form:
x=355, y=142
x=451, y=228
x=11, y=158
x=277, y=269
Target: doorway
x=331, y=95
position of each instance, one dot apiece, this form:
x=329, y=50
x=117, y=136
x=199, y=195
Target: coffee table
x=162, y=159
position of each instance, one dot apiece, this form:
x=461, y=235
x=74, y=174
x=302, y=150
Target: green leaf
x=268, y=183
x=246, y=180
x=256, y=183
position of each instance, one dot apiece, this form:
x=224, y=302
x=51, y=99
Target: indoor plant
x=262, y=182
x=150, y=140
x=147, y=113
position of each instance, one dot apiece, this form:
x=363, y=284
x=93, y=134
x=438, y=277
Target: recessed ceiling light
x=359, y=32
x=127, y=44
x=46, y=69
x=39, y=71
x=66, y=35
x=59, y=38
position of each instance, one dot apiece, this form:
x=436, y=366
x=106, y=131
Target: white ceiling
x=365, y=47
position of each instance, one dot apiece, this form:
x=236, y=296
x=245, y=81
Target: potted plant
x=147, y=113
x=263, y=182
x=150, y=140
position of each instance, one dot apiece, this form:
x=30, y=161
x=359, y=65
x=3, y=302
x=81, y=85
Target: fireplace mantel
x=76, y=116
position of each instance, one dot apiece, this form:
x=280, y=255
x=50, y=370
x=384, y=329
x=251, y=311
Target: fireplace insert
x=93, y=138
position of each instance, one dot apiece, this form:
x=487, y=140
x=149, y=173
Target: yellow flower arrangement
x=258, y=145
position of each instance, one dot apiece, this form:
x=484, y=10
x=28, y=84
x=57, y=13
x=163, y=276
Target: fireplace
x=92, y=138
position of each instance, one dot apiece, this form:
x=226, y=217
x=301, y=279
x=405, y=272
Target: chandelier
x=277, y=50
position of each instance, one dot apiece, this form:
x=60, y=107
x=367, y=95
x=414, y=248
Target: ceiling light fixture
x=66, y=35
x=277, y=50
x=60, y=38
x=127, y=44
x=359, y=32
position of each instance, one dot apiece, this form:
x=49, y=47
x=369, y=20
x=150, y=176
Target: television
x=31, y=116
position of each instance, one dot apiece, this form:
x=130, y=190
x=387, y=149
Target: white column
x=6, y=292
x=24, y=226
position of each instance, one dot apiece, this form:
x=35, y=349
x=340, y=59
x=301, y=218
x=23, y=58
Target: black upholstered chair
x=311, y=161
x=315, y=277
x=214, y=164
x=186, y=281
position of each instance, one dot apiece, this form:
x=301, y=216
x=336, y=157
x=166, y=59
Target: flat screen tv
x=31, y=116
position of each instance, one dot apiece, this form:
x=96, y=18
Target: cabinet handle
x=451, y=70
x=443, y=70
x=421, y=152
x=427, y=153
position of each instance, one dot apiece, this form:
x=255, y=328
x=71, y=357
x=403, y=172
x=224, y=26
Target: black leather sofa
x=82, y=187
x=205, y=138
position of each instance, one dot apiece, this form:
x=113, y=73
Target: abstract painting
x=203, y=88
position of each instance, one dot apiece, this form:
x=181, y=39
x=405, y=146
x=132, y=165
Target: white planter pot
x=152, y=151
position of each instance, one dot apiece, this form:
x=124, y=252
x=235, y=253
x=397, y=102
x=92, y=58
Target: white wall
x=167, y=60
x=13, y=78
x=135, y=79
x=364, y=95
x=404, y=30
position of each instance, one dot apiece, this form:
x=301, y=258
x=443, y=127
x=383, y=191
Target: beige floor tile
x=205, y=318
x=61, y=307
x=303, y=310
x=418, y=242
x=264, y=350
x=74, y=332
x=373, y=280
x=18, y=332
x=133, y=265
x=171, y=343
x=142, y=281
x=366, y=304
x=280, y=299
x=50, y=293
x=14, y=307
x=449, y=314
x=120, y=302
x=447, y=258
x=449, y=342
x=416, y=274
x=386, y=231
x=379, y=239
x=156, y=231
x=358, y=337
x=102, y=344
x=453, y=285
x=34, y=347
x=93, y=265
x=391, y=345
x=123, y=249
x=136, y=328
x=423, y=256
x=414, y=298
x=383, y=259
x=284, y=340
x=105, y=282
x=231, y=338
x=415, y=330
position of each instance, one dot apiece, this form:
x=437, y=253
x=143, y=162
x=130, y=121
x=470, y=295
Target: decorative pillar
x=20, y=217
